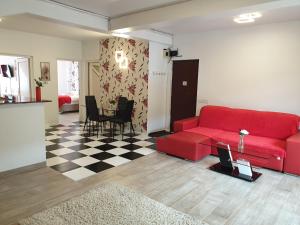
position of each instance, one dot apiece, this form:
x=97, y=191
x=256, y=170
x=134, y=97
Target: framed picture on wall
x=45, y=71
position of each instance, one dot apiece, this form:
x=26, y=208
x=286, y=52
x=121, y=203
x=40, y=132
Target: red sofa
x=273, y=142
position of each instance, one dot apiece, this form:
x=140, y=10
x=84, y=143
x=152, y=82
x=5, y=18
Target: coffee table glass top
x=247, y=151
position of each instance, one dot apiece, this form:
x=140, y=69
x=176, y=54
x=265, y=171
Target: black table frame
x=234, y=172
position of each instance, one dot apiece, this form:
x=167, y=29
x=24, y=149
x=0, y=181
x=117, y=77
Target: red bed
x=63, y=99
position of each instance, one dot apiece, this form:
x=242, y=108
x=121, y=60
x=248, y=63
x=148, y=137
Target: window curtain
x=73, y=79
x=68, y=77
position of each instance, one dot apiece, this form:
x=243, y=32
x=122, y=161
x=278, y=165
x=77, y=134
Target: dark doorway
x=184, y=89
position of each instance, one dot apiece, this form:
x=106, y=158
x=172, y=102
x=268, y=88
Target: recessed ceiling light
x=247, y=17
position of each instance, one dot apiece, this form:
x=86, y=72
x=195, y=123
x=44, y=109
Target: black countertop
x=7, y=101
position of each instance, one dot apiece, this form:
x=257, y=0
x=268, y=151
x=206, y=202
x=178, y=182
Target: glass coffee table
x=234, y=161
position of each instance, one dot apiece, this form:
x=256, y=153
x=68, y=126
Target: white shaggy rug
x=111, y=204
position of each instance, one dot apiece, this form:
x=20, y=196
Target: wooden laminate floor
x=186, y=186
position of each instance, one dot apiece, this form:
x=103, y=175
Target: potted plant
x=38, y=93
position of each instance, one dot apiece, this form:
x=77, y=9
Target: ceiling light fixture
x=118, y=56
x=123, y=64
x=120, y=35
x=247, y=17
x=0, y=19
x=123, y=30
x=121, y=59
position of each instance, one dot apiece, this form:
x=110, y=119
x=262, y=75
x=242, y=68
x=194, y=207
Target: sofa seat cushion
x=188, y=137
x=254, y=145
x=209, y=132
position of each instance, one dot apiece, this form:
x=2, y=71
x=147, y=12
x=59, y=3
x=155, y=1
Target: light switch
x=184, y=83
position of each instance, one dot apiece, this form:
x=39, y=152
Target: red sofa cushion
x=185, y=145
x=188, y=123
x=258, y=123
x=209, y=132
x=188, y=138
x=254, y=145
x=259, y=146
x=292, y=162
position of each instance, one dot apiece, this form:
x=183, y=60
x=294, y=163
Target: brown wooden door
x=184, y=89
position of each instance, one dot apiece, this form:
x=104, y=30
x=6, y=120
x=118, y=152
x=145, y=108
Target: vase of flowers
x=243, y=133
x=38, y=89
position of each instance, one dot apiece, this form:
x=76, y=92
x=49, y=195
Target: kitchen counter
x=20, y=101
x=22, y=133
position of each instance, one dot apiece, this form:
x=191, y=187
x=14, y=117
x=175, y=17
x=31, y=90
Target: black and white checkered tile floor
x=76, y=156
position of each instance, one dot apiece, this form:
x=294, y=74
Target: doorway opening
x=15, y=80
x=68, y=90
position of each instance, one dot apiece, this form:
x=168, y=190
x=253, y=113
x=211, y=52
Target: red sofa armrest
x=292, y=160
x=181, y=125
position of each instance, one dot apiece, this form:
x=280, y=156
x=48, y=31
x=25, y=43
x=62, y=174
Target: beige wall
x=43, y=49
x=90, y=53
x=159, y=88
x=254, y=67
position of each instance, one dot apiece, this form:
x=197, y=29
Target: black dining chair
x=93, y=118
x=88, y=99
x=123, y=116
x=121, y=105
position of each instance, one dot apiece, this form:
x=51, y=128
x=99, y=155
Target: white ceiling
x=113, y=8
x=33, y=24
x=222, y=20
x=225, y=21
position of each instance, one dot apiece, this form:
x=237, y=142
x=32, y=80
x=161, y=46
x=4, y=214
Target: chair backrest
x=126, y=114
x=122, y=104
x=122, y=101
x=91, y=108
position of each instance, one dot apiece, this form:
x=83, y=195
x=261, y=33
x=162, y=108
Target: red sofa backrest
x=258, y=123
